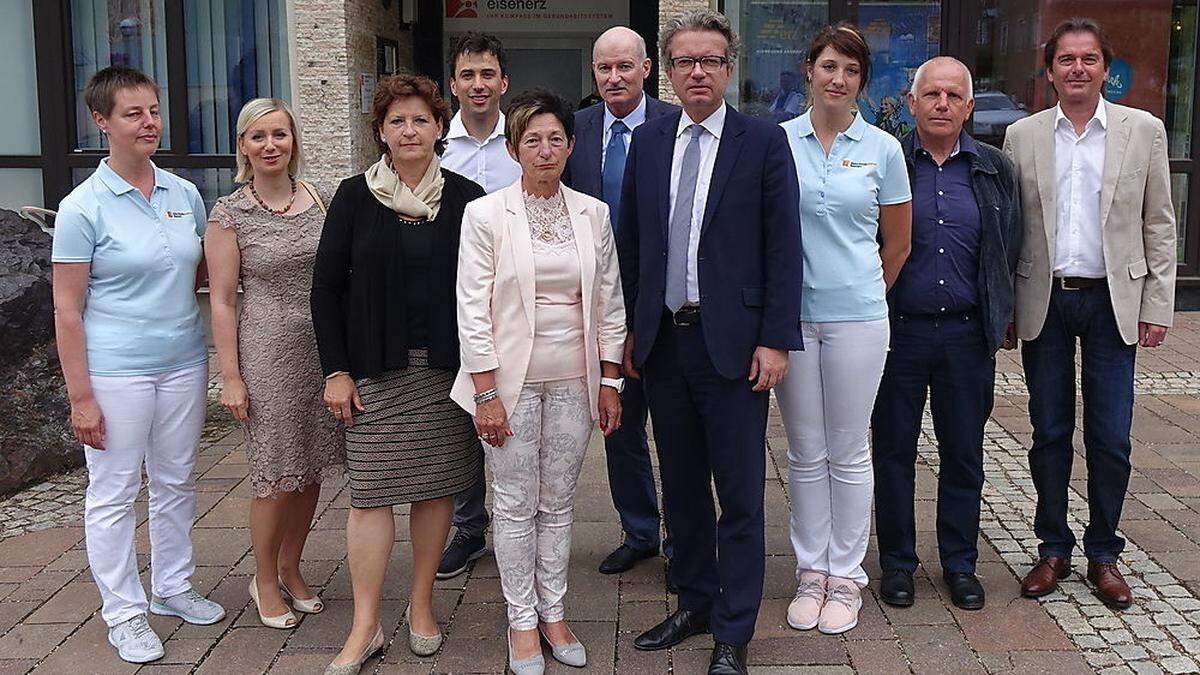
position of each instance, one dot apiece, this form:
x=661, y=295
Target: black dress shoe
x=671, y=587
x=965, y=590
x=460, y=553
x=676, y=628
x=896, y=588
x=727, y=660
x=624, y=558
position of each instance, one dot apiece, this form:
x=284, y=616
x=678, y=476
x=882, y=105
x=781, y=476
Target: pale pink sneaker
x=843, y=599
x=805, y=610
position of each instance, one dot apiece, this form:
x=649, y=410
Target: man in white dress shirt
x=475, y=140
x=1097, y=266
x=475, y=148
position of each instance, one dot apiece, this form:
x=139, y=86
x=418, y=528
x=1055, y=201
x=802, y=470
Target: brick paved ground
x=49, y=621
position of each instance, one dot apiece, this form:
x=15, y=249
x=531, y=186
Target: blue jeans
x=949, y=358
x=630, y=475
x=1107, y=383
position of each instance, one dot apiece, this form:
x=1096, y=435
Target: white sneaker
x=843, y=599
x=135, y=640
x=805, y=610
x=189, y=606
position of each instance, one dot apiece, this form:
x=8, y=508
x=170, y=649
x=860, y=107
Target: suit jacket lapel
x=522, y=246
x=1047, y=181
x=1115, y=143
x=727, y=153
x=662, y=159
x=584, y=244
x=591, y=138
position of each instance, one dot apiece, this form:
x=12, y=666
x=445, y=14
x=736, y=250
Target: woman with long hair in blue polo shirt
x=856, y=219
x=126, y=252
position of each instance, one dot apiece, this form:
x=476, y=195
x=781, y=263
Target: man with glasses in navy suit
x=596, y=167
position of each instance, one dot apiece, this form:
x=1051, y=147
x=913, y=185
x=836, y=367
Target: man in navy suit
x=709, y=247
x=596, y=167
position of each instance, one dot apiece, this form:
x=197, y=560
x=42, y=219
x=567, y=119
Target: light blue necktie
x=681, y=222
x=614, y=170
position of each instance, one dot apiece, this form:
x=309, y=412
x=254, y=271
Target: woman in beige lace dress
x=265, y=235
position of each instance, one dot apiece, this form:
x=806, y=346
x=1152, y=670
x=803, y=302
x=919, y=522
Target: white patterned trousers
x=533, y=492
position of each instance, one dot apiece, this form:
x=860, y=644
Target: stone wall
x=666, y=10
x=35, y=434
x=335, y=41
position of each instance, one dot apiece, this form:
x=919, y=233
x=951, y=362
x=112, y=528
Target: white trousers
x=533, y=492
x=826, y=402
x=156, y=420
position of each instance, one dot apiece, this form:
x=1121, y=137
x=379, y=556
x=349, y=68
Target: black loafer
x=624, y=558
x=965, y=590
x=896, y=588
x=727, y=660
x=676, y=628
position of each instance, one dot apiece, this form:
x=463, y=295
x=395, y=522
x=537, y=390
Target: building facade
x=210, y=56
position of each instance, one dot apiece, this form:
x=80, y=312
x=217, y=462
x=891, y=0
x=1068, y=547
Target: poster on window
x=901, y=38
x=776, y=36
x=522, y=16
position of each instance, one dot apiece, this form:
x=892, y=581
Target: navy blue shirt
x=940, y=275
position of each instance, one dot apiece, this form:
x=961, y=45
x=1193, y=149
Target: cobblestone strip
x=58, y=501
x=1159, y=633
x=1157, y=384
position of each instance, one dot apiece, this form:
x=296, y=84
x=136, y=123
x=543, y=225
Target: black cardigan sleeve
x=331, y=278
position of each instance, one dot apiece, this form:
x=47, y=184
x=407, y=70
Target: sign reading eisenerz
x=524, y=16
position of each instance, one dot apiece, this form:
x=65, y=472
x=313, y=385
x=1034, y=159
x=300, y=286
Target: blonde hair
x=251, y=113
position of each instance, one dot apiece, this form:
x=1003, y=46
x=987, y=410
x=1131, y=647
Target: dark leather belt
x=1078, y=283
x=686, y=316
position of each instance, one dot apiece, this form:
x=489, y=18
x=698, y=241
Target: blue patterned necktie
x=614, y=170
x=681, y=222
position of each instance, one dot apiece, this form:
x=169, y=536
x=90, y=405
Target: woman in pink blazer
x=542, y=328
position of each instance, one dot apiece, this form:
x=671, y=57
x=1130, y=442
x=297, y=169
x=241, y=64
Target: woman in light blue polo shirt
x=855, y=212
x=126, y=251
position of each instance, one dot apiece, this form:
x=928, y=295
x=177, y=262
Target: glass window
x=902, y=35
x=212, y=183
x=770, y=80
x=116, y=32
x=236, y=50
x=20, y=187
x=19, y=130
x=1179, y=195
x=1148, y=72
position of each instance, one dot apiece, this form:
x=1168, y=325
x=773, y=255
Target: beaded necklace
x=278, y=212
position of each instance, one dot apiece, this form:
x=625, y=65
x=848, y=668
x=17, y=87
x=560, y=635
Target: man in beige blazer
x=1097, y=265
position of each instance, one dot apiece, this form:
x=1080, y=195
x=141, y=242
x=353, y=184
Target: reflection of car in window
x=994, y=111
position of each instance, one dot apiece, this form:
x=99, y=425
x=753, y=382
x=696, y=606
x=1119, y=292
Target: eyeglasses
x=709, y=64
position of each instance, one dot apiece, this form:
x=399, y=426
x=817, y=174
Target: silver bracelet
x=485, y=396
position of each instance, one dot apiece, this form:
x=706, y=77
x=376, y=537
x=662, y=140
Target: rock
x=35, y=433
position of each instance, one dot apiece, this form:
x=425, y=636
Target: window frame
x=56, y=93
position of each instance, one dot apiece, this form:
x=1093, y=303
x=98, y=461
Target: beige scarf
x=419, y=204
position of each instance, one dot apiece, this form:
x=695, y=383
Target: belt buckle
x=688, y=318
x=1062, y=283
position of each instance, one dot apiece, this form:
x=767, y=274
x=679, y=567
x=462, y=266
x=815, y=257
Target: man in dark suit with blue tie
x=596, y=167
x=709, y=247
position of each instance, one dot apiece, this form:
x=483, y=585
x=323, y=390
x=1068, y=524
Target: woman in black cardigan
x=384, y=311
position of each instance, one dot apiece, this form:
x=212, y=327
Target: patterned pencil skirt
x=412, y=442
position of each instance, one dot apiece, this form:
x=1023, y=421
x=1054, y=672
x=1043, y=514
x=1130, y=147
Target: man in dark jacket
x=951, y=309
x=597, y=167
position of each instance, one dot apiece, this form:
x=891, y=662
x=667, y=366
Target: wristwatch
x=617, y=383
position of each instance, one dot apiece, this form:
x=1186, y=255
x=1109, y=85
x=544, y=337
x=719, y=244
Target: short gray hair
x=699, y=19
x=944, y=59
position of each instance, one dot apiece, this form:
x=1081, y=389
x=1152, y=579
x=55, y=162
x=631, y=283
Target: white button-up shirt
x=632, y=121
x=1079, y=177
x=714, y=124
x=487, y=163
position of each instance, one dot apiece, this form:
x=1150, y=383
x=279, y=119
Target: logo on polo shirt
x=178, y=214
x=848, y=164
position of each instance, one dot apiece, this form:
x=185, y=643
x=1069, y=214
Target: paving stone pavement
x=49, y=607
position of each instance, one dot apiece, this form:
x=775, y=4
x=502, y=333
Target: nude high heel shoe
x=283, y=621
x=353, y=667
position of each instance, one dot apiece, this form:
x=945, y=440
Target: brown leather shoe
x=1043, y=578
x=1110, y=586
